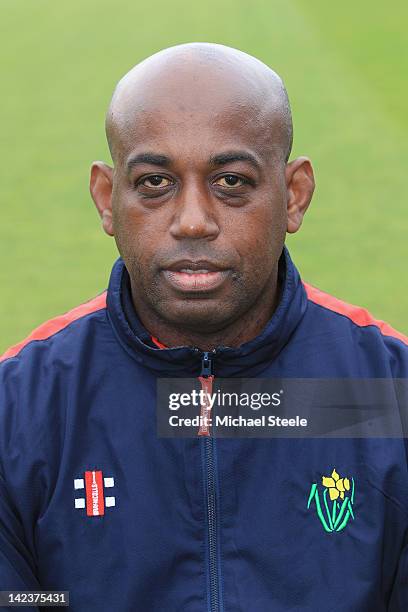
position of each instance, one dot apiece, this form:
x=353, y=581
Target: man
x=199, y=200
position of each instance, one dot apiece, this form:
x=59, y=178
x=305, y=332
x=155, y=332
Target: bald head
x=191, y=82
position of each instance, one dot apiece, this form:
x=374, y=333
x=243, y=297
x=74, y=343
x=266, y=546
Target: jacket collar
x=248, y=359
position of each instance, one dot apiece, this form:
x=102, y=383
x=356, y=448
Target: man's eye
x=155, y=180
x=230, y=180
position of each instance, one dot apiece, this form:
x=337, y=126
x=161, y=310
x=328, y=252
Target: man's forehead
x=199, y=135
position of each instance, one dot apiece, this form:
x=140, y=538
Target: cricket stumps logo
x=94, y=485
x=334, y=513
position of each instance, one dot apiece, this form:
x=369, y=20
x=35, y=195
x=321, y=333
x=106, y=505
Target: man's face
x=192, y=186
x=199, y=185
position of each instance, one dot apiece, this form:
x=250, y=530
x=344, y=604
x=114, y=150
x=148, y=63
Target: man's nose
x=195, y=213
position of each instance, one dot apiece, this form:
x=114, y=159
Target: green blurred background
x=345, y=66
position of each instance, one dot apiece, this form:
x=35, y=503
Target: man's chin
x=197, y=315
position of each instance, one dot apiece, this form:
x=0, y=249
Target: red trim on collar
x=159, y=344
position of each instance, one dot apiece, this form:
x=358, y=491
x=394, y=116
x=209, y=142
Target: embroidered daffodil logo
x=336, y=485
x=334, y=516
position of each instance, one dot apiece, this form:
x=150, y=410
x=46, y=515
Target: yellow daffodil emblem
x=341, y=493
x=336, y=485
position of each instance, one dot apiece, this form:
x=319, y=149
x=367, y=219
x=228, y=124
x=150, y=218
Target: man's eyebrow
x=232, y=156
x=156, y=159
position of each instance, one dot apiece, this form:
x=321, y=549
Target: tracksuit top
x=93, y=502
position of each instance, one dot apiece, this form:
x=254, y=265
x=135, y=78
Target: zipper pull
x=206, y=365
x=206, y=379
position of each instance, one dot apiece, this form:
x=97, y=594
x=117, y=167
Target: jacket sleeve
x=399, y=595
x=16, y=567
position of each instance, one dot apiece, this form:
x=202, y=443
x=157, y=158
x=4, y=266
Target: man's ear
x=300, y=185
x=100, y=186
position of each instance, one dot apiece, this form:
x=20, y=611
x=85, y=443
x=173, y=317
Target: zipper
x=207, y=378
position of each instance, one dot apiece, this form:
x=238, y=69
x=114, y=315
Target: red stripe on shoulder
x=358, y=315
x=51, y=327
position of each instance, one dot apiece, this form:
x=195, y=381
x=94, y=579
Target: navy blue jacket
x=93, y=502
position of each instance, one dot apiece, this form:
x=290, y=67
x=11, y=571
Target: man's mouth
x=202, y=279
x=195, y=276
x=195, y=280
x=189, y=271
